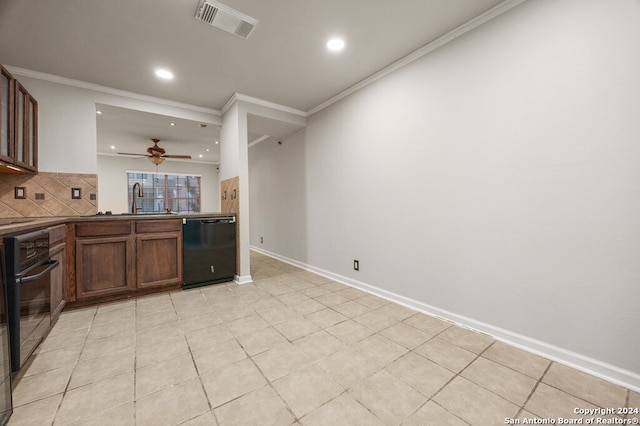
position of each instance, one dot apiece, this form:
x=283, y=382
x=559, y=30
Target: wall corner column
x=234, y=180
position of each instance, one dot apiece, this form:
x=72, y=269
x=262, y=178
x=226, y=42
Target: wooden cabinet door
x=6, y=116
x=26, y=129
x=158, y=259
x=104, y=266
x=32, y=135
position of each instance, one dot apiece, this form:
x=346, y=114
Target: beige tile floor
x=290, y=348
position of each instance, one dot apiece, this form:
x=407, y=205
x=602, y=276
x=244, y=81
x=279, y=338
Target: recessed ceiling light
x=113, y=147
x=207, y=149
x=172, y=124
x=98, y=112
x=200, y=155
x=216, y=142
x=164, y=74
x=335, y=44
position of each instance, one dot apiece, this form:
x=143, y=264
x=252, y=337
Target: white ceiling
x=118, y=43
x=131, y=131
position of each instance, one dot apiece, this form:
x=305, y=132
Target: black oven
x=6, y=405
x=28, y=283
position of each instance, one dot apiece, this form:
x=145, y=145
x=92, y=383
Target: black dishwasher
x=209, y=250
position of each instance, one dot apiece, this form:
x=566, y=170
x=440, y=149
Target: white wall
x=66, y=126
x=494, y=182
x=230, y=134
x=277, y=196
x=112, y=181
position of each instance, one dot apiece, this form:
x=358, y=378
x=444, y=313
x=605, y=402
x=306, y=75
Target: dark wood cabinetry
x=114, y=259
x=158, y=243
x=104, y=256
x=26, y=130
x=58, y=251
x=103, y=266
x=18, y=126
x=7, y=87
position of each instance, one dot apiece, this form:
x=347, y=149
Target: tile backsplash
x=48, y=194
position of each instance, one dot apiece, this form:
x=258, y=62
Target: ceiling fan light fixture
x=156, y=154
x=156, y=160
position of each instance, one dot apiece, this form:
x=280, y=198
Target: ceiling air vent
x=227, y=19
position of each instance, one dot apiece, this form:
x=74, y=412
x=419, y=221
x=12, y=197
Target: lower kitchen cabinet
x=116, y=259
x=104, y=258
x=104, y=266
x=158, y=253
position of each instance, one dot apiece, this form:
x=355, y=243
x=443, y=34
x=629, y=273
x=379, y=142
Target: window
x=163, y=192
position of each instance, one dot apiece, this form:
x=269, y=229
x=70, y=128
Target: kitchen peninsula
x=111, y=257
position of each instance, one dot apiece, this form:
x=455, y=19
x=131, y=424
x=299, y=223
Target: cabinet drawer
x=102, y=229
x=155, y=226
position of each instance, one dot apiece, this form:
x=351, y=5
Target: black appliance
x=6, y=405
x=28, y=269
x=209, y=250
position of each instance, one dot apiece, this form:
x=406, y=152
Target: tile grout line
x=533, y=390
x=204, y=390
x=566, y=391
x=455, y=375
x=312, y=362
x=75, y=364
x=269, y=383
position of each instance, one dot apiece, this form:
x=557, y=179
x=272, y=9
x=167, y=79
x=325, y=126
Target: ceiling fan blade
x=177, y=156
x=131, y=153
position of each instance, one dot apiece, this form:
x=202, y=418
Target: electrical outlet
x=261, y=240
x=356, y=265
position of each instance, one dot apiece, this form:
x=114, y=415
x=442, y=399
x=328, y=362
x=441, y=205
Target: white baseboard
x=603, y=370
x=242, y=279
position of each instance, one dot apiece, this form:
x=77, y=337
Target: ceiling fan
x=156, y=154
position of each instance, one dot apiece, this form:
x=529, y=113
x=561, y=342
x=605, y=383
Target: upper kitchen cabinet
x=26, y=130
x=19, y=127
x=6, y=120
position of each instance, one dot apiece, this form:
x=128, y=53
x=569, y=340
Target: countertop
x=14, y=225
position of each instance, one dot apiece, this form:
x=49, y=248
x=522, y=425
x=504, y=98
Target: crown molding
x=424, y=50
x=109, y=90
x=236, y=97
x=232, y=100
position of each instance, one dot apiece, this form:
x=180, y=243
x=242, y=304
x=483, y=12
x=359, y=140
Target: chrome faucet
x=134, y=207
